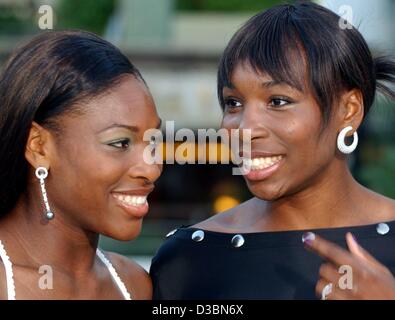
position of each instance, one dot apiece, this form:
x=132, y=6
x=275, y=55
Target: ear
x=351, y=109
x=37, y=151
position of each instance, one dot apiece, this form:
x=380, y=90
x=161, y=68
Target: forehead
x=128, y=102
x=244, y=74
x=243, y=71
x=129, y=98
x=285, y=61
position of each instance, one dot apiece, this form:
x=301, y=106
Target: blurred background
x=176, y=44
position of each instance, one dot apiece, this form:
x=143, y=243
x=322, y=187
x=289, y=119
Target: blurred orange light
x=224, y=202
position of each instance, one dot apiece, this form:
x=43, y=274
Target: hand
x=369, y=278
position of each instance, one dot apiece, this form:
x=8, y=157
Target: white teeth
x=256, y=162
x=132, y=200
x=261, y=163
x=248, y=162
x=141, y=200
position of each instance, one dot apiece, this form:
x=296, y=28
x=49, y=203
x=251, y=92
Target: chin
x=126, y=231
x=265, y=192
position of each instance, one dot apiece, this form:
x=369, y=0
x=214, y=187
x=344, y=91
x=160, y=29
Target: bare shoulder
x=136, y=278
x=382, y=206
x=388, y=205
x=232, y=219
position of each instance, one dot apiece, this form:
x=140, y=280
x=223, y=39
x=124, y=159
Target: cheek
x=307, y=143
x=301, y=133
x=87, y=175
x=230, y=121
x=301, y=137
x=308, y=152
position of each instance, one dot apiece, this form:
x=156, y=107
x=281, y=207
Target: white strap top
x=10, y=275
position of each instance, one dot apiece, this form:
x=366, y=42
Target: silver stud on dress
x=382, y=228
x=198, y=235
x=171, y=233
x=237, y=241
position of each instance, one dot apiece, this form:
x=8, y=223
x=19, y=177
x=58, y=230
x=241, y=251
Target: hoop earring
x=41, y=174
x=341, y=144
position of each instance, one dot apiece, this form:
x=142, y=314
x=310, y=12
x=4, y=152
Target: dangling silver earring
x=341, y=144
x=41, y=174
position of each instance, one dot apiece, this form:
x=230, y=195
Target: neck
x=332, y=200
x=33, y=241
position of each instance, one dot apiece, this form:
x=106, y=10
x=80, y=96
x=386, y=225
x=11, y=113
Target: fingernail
x=355, y=239
x=308, y=238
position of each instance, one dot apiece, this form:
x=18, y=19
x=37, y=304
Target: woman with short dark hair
x=73, y=112
x=302, y=85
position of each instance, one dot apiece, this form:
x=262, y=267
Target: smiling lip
x=134, y=210
x=261, y=174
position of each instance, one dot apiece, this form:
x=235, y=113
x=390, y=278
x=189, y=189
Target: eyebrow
x=269, y=84
x=120, y=125
x=272, y=83
x=131, y=128
x=266, y=84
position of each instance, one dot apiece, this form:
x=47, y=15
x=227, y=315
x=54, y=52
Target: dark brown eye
x=232, y=104
x=279, y=102
x=121, y=144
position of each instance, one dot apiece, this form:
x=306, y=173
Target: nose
x=253, y=118
x=145, y=171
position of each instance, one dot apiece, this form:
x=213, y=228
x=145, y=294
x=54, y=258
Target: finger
x=327, y=250
x=361, y=253
x=334, y=294
x=329, y=273
x=319, y=289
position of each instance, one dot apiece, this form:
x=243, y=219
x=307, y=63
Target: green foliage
x=378, y=173
x=225, y=5
x=91, y=15
x=13, y=23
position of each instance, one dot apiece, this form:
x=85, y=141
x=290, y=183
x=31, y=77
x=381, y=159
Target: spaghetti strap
x=114, y=275
x=8, y=273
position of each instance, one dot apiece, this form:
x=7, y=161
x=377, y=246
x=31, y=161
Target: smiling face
x=287, y=151
x=98, y=179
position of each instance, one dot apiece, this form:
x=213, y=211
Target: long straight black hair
x=334, y=59
x=43, y=80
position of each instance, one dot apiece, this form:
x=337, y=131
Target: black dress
x=268, y=265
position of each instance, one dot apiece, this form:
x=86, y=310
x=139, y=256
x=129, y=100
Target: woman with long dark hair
x=73, y=111
x=303, y=85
